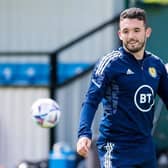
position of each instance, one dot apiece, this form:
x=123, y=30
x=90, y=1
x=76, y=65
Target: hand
x=83, y=146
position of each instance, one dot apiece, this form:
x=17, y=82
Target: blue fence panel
x=36, y=73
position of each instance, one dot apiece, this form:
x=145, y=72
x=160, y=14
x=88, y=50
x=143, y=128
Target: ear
x=148, y=32
x=119, y=34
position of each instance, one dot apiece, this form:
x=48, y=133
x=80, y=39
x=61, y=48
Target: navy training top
x=127, y=88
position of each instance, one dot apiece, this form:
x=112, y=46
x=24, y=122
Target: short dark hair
x=134, y=13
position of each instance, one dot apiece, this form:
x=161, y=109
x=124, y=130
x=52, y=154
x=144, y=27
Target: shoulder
x=112, y=56
x=156, y=60
x=153, y=56
x=106, y=61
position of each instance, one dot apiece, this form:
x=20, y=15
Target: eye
x=137, y=30
x=125, y=31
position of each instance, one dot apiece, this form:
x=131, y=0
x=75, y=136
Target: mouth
x=132, y=42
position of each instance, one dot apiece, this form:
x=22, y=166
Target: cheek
x=123, y=38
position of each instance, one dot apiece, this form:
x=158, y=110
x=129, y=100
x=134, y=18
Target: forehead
x=131, y=23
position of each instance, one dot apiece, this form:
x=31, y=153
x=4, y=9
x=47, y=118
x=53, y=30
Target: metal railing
x=53, y=57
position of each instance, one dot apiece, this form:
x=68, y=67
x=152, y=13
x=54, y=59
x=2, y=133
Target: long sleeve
x=98, y=85
x=89, y=107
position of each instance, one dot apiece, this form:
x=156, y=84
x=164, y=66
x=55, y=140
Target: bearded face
x=134, y=45
x=133, y=34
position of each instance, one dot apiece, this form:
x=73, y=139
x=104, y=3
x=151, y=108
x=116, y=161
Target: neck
x=138, y=55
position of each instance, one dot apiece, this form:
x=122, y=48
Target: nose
x=131, y=35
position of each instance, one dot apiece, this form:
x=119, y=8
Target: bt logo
x=144, y=98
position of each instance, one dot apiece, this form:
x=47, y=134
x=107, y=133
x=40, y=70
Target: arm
x=84, y=133
x=93, y=97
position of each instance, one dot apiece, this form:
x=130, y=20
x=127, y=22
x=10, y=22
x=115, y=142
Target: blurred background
x=48, y=49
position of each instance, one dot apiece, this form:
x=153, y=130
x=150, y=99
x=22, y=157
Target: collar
x=127, y=54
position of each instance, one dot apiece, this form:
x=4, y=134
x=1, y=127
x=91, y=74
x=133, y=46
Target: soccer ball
x=46, y=112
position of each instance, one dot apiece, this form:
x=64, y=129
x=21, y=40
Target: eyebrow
x=131, y=28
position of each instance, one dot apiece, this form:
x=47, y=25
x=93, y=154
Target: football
x=45, y=112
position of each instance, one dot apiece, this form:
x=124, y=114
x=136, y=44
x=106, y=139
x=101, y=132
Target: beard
x=134, y=47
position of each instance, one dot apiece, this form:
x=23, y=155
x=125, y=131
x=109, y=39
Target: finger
x=82, y=149
x=83, y=153
x=83, y=146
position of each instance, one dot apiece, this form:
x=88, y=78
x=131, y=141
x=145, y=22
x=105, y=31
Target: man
x=126, y=81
